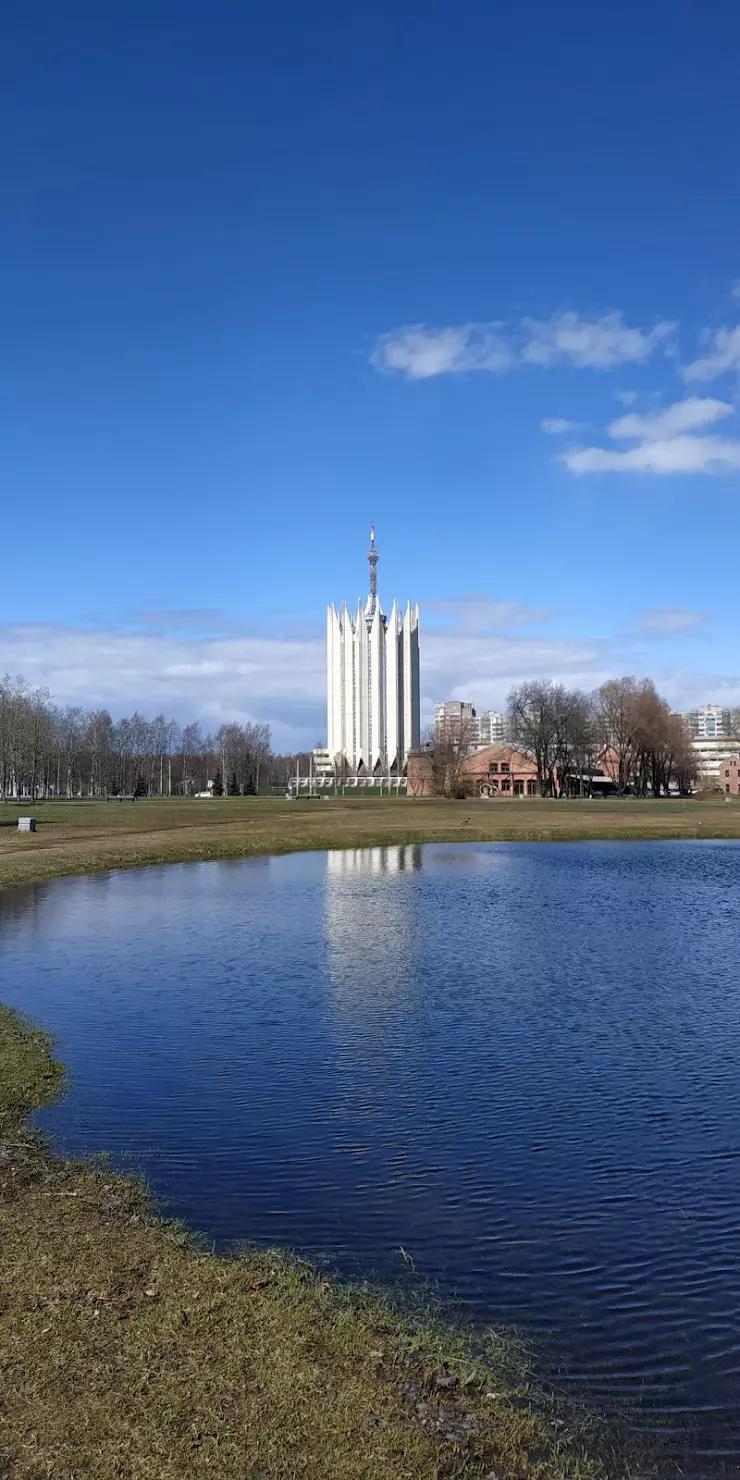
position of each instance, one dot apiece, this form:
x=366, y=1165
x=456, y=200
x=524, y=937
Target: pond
x=519, y=1063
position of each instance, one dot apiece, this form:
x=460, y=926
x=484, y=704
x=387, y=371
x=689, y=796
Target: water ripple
x=519, y=1063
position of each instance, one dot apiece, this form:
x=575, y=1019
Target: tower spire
x=372, y=560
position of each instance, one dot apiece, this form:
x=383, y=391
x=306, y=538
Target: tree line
x=50, y=751
x=625, y=729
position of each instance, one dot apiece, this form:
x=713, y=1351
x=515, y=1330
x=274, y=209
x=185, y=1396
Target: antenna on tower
x=372, y=560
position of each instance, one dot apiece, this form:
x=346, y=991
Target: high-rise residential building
x=372, y=664
x=710, y=722
x=492, y=728
x=454, y=717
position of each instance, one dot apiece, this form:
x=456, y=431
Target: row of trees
x=625, y=730
x=47, y=751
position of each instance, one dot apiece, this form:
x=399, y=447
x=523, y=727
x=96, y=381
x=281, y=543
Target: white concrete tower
x=372, y=681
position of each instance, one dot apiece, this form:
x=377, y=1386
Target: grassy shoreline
x=88, y=837
x=127, y=1350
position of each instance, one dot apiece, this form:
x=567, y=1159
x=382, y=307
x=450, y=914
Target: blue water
x=519, y=1062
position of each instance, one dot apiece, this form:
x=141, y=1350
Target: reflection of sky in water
x=521, y=1063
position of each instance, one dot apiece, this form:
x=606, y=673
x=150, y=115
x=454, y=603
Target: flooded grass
x=128, y=1350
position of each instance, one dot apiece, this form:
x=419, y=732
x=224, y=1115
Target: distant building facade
x=730, y=776
x=458, y=715
x=711, y=756
x=454, y=718
x=491, y=728
x=373, y=701
x=710, y=722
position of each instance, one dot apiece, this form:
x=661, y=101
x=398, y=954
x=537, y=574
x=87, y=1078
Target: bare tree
x=448, y=746
x=536, y=727
x=617, y=701
x=191, y=745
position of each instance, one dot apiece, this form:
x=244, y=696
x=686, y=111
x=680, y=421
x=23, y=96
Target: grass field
x=80, y=837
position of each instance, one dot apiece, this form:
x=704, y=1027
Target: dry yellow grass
x=79, y=837
x=127, y=1352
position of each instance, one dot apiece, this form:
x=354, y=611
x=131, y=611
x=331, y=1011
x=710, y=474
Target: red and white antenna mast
x=372, y=560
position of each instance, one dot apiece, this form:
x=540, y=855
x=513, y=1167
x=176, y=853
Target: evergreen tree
x=233, y=785
x=218, y=785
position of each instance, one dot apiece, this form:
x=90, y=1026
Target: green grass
x=127, y=1351
x=82, y=837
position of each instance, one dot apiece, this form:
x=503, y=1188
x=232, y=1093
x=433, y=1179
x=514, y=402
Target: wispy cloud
x=680, y=455
x=596, y=344
x=557, y=426
x=420, y=351
x=481, y=614
x=626, y=398
x=735, y=289
x=723, y=354
x=682, y=416
x=669, y=621
x=665, y=442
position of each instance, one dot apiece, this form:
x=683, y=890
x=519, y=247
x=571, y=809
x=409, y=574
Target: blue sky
x=270, y=272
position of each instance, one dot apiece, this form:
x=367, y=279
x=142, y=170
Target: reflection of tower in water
x=369, y=930
x=396, y=860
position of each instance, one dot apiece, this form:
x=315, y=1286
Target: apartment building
x=710, y=722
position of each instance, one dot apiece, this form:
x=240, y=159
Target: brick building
x=730, y=776
x=495, y=771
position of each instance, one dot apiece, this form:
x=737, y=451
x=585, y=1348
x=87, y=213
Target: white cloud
x=282, y=681
x=421, y=351
x=626, y=398
x=665, y=443
x=723, y=355
x=670, y=620
x=556, y=426
x=596, y=344
x=677, y=455
x=485, y=668
x=685, y=688
x=682, y=416
x=211, y=679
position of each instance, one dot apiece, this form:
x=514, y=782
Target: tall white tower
x=372, y=681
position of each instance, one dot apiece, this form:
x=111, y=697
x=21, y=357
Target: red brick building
x=729, y=775
x=495, y=771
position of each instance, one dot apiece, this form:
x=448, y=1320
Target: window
x=504, y=768
x=531, y=788
x=493, y=769
x=727, y=773
x=727, y=787
x=518, y=788
x=506, y=786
